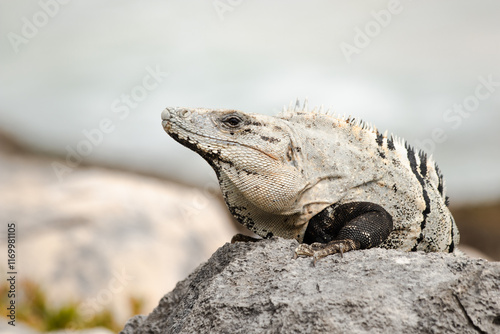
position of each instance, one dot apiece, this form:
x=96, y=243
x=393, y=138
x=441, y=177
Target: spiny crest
x=297, y=109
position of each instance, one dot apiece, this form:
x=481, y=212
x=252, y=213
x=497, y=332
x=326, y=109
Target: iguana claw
x=318, y=250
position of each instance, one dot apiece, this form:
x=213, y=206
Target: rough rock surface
x=259, y=288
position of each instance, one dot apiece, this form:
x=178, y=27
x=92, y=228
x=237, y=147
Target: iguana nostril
x=166, y=114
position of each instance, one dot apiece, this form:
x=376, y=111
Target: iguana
x=333, y=184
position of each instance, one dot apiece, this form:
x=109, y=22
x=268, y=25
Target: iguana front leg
x=341, y=228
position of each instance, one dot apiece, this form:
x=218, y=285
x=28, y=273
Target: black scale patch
x=413, y=164
x=364, y=222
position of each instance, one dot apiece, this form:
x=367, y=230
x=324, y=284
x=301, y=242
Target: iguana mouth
x=167, y=126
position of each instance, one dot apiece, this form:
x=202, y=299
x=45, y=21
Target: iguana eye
x=232, y=121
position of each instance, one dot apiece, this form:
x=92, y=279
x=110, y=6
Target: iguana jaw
x=179, y=129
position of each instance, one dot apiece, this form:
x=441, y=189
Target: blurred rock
x=103, y=236
x=98, y=330
x=259, y=288
x=474, y=253
x=19, y=328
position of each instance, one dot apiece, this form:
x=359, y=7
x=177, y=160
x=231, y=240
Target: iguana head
x=253, y=156
x=275, y=172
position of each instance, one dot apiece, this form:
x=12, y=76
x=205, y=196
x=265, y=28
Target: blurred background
x=111, y=212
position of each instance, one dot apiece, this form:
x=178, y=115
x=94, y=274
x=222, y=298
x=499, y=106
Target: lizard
x=334, y=184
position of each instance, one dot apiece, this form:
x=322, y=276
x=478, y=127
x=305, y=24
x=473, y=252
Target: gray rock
x=259, y=288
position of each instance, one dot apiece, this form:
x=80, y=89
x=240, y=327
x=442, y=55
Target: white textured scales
x=276, y=173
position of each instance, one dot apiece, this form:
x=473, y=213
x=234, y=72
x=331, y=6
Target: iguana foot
x=346, y=227
x=318, y=250
x=243, y=238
